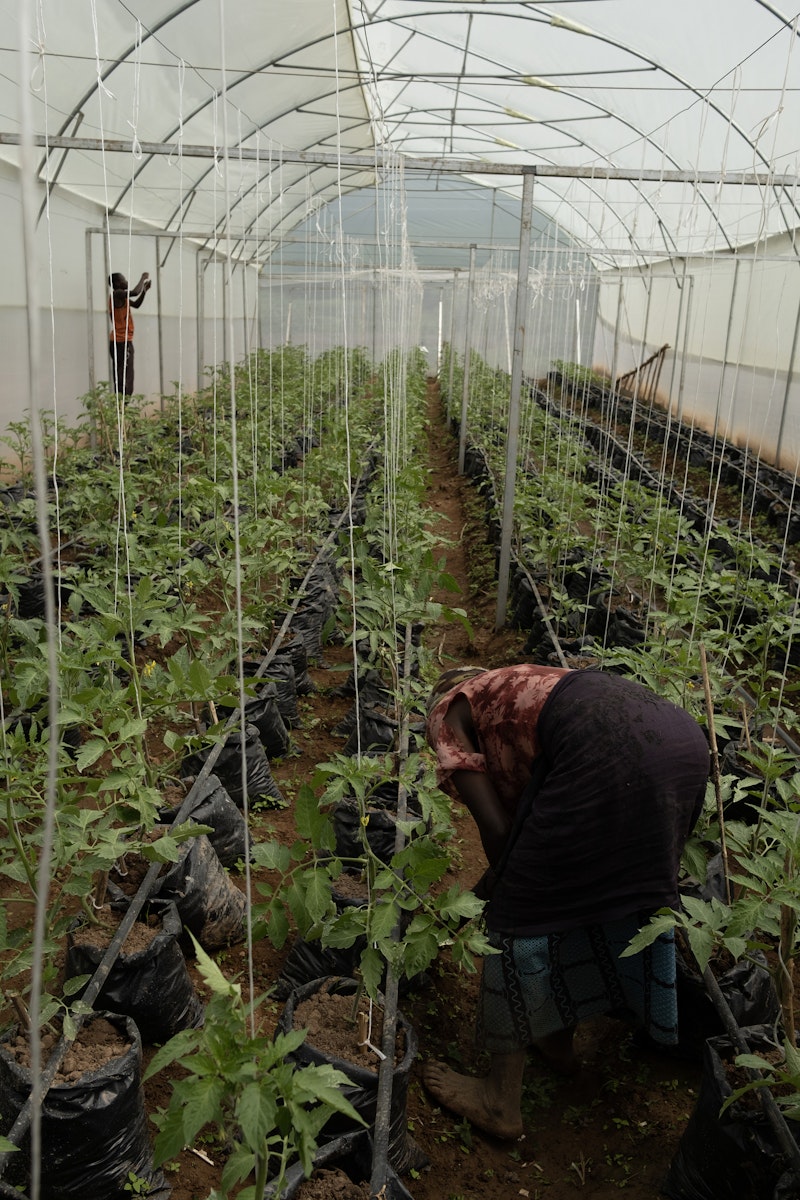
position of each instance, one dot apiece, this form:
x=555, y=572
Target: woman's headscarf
x=447, y=681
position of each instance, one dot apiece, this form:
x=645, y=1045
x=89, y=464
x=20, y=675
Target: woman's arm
x=475, y=788
x=137, y=294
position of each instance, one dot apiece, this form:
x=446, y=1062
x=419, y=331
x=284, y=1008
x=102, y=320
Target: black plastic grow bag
x=153, y=985
x=362, y=1091
x=212, y=806
x=94, y=1130
x=351, y=1153
x=733, y=1156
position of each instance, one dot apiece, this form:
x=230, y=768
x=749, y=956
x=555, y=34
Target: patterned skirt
x=538, y=985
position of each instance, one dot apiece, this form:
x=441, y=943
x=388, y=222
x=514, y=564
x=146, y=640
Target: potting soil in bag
x=350, y=1153
x=362, y=1092
x=208, y=902
x=94, y=1128
x=212, y=806
x=228, y=768
x=728, y=1156
x=151, y=985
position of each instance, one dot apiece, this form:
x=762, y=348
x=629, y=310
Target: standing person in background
x=120, y=303
x=584, y=787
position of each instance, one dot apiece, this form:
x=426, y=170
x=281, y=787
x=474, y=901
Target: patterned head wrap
x=447, y=681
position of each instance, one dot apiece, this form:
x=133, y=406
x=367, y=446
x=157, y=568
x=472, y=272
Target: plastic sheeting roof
x=216, y=100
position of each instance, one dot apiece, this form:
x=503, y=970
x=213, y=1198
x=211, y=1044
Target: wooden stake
x=21, y=1010
x=746, y=729
x=785, y=981
x=712, y=737
x=100, y=885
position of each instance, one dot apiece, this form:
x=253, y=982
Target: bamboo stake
x=746, y=729
x=712, y=737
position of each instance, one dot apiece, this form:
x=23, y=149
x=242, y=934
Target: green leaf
x=384, y=917
x=701, y=942
x=310, y=821
x=273, y=856
x=660, y=923
x=456, y=903
x=318, y=898
x=182, y=1043
x=170, y=1139
x=277, y=925
x=372, y=965
x=211, y=973
x=256, y=1113
x=89, y=753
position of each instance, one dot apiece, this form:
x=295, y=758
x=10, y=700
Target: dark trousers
x=122, y=365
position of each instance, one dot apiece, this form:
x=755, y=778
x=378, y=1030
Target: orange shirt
x=122, y=321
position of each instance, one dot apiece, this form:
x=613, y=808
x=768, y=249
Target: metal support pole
x=245, y=325
x=615, y=348
x=227, y=349
x=159, y=317
x=789, y=373
x=288, y=338
x=684, y=355
x=439, y=336
x=720, y=391
x=462, y=433
x=375, y=316
x=451, y=371
x=520, y=322
x=89, y=309
x=201, y=305
x=682, y=287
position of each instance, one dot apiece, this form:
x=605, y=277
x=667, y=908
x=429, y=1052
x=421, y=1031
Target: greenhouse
x=399, y=571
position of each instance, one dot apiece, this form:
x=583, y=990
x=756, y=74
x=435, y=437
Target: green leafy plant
x=241, y=1084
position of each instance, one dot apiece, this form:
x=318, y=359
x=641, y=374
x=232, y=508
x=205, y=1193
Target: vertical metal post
x=682, y=286
x=452, y=346
x=721, y=389
x=375, y=316
x=686, y=323
x=201, y=306
x=227, y=349
x=520, y=322
x=288, y=338
x=462, y=433
x=159, y=318
x=245, y=314
x=789, y=373
x=87, y=238
x=615, y=349
x=439, y=337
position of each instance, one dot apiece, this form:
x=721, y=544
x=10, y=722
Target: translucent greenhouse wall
x=377, y=311
x=73, y=257
x=732, y=327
